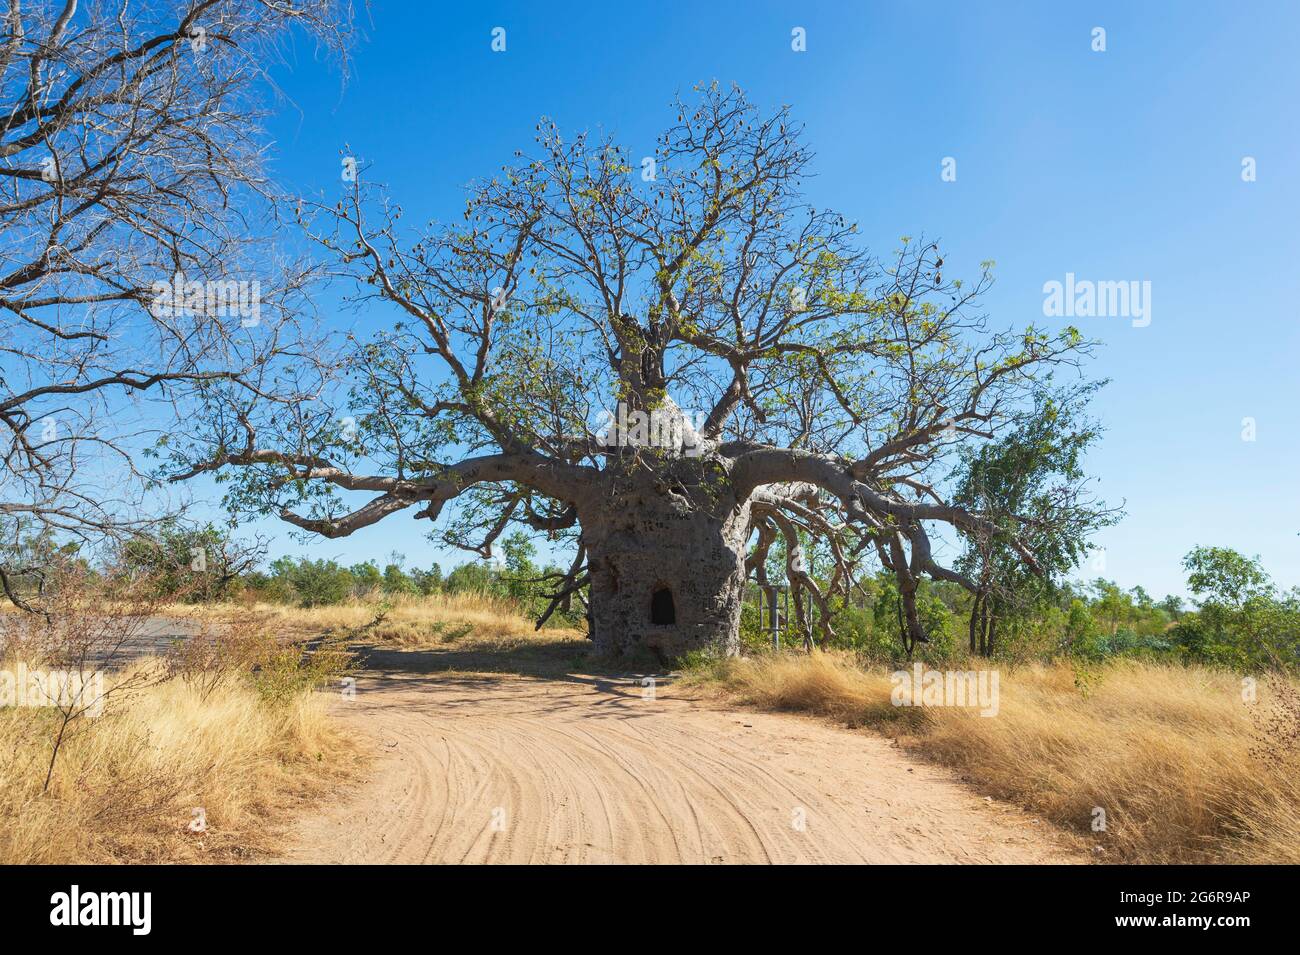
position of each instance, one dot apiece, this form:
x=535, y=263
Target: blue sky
x=1116, y=165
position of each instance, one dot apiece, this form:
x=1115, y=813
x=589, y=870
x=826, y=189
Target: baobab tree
x=130, y=161
x=670, y=361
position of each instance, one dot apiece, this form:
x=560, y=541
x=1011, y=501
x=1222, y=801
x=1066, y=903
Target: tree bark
x=643, y=542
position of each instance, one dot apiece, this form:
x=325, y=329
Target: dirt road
x=474, y=768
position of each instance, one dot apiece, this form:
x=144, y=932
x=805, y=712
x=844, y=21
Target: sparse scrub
x=219, y=652
x=127, y=790
x=195, y=756
x=86, y=624
x=291, y=670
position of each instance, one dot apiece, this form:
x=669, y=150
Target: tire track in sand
x=489, y=768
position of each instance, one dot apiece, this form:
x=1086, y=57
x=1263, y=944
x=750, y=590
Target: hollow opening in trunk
x=663, y=612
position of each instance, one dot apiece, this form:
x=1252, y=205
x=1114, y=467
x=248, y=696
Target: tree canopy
x=826, y=390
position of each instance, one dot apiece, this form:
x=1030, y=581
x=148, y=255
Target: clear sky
x=1122, y=165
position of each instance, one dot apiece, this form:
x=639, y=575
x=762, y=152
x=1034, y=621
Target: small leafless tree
x=92, y=623
x=131, y=167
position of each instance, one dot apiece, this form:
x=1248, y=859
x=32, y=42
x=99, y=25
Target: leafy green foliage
x=1241, y=620
x=189, y=563
x=311, y=583
x=1030, y=485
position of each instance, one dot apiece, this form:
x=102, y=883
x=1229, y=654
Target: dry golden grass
x=126, y=784
x=248, y=752
x=410, y=622
x=1185, y=771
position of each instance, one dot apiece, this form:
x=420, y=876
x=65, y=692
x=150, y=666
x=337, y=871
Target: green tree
x=1111, y=606
x=888, y=617
x=520, y=571
x=1240, y=621
x=194, y=563
x=1031, y=486
x=1224, y=577
x=1081, y=635
x=397, y=581
x=366, y=578
x=428, y=581
x=476, y=577
x=313, y=582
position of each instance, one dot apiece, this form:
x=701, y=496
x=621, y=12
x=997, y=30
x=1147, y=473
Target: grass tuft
x=127, y=784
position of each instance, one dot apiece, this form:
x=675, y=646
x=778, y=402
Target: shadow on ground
x=569, y=660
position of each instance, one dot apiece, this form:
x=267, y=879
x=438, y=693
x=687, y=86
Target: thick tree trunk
x=667, y=576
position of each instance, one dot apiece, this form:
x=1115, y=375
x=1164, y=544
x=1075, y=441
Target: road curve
x=474, y=768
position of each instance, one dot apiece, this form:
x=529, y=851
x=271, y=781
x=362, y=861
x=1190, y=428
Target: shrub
x=315, y=582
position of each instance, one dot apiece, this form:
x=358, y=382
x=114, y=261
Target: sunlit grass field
x=1184, y=770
